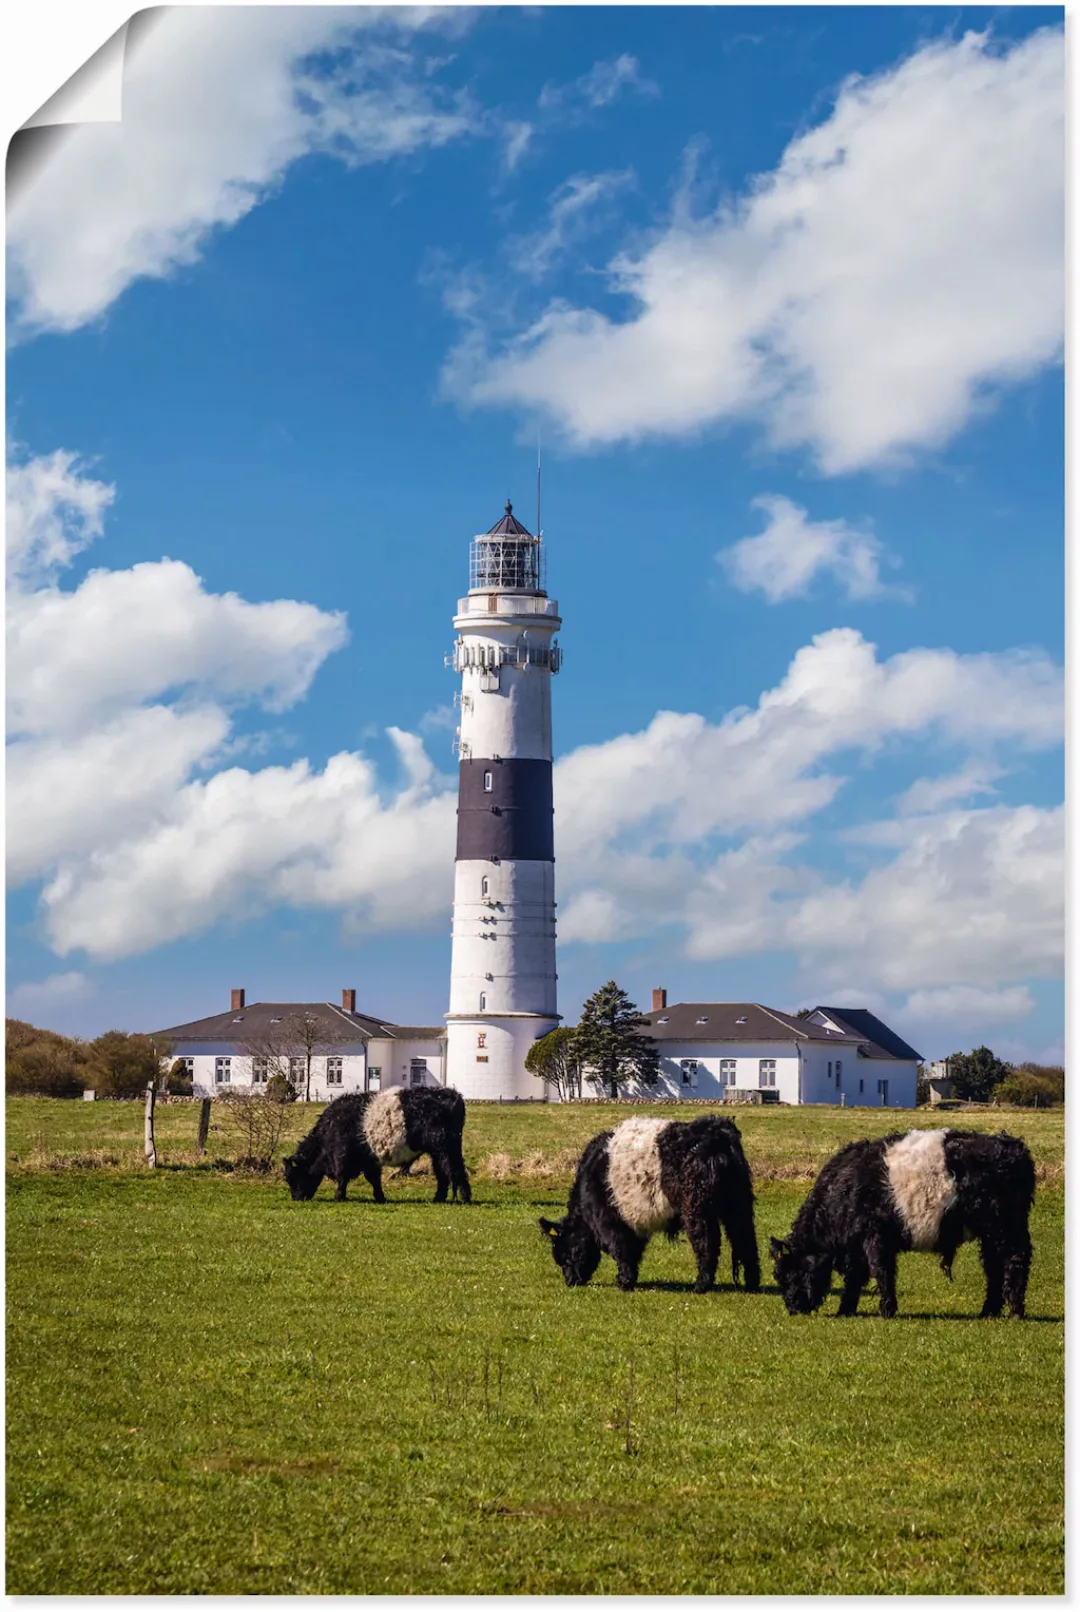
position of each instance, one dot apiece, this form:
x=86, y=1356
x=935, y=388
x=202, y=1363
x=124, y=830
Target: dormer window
x=741, y=1020
x=663, y=1019
x=704, y=1019
x=239, y=1019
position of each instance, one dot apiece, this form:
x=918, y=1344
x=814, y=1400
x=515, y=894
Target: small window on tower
x=483, y=1001
x=487, y=783
x=484, y=887
x=481, y=1038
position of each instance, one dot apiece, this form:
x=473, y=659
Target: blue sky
x=781, y=288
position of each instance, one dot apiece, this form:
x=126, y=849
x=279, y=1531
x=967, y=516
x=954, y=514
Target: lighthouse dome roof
x=509, y=525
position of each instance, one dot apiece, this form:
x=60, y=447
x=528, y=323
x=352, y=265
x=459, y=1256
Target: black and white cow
x=652, y=1175
x=928, y=1190
x=358, y=1135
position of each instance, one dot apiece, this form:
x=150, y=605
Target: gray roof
x=260, y=1021
x=881, y=1042
x=509, y=525
x=733, y=1021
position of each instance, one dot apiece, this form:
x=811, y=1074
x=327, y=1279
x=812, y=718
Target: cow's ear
x=548, y=1227
x=778, y=1247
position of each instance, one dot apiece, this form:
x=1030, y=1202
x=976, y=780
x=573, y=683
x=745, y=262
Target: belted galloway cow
x=928, y=1190
x=357, y=1135
x=651, y=1175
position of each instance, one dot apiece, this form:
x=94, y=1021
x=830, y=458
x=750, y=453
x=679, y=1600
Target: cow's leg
x=458, y=1173
x=739, y=1227
x=1017, y=1266
x=881, y=1258
x=704, y=1234
x=856, y=1273
x=372, y=1172
x=442, y=1176
x=339, y=1195
x=626, y=1249
x=993, y=1262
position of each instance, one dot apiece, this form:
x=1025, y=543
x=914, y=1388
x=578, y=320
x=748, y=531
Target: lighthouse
x=502, y=971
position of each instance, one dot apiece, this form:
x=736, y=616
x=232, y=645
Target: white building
x=834, y=1055
x=502, y=972
x=350, y=1051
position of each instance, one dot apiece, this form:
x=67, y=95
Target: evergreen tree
x=610, y=1042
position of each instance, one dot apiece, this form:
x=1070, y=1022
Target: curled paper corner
x=93, y=94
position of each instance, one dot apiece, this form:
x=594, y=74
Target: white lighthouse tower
x=502, y=972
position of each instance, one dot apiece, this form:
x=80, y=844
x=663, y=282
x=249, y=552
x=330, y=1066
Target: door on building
x=883, y=1088
x=418, y=1072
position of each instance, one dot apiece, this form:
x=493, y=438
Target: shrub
x=41, y=1063
x=259, y=1121
x=280, y=1090
x=124, y=1065
x=1032, y=1085
x=178, y=1082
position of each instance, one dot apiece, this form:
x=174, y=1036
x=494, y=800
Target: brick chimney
x=237, y=1001
x=348, y=1001
x=659, y=998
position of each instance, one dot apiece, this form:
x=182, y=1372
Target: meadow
x=212, y=1389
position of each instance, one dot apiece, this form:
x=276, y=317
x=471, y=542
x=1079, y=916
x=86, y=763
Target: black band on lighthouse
x=512, y=819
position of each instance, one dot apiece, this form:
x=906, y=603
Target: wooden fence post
x=204, y=1123
x=148, y=1144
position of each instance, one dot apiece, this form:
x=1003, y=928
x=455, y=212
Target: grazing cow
x=658, y=1175
x=358, y=1135
x=928, y=1190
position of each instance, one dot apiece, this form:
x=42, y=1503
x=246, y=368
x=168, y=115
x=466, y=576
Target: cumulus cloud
x=96, y=753
x=218, y=102
x=900, y=265
x=788, y=557
x=32, y=998
x=969, y=1006
x=975, y=777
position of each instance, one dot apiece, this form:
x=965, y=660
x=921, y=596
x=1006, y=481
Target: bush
x=124, y=1065
x=41, y=1063
x=280, y=1090
x=178, y=1082
x=1033, y=1085
x=259, y=1121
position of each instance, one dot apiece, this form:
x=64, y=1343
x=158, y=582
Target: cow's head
x=574, y=1248
x=802, y=1276
x=302, y=1182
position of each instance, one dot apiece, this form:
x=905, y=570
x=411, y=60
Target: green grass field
x=212, y=1389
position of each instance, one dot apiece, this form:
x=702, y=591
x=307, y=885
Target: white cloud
x=34, y=997
x=975, y=777
x=96, y=755
x=573, y=209
x=54, y=509
x=600, y=86
x=969, y=1005
x=901, y=264
x=218, y=102
x=785, y=560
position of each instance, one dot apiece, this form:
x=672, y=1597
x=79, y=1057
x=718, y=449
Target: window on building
x=481, y=1057
x=222, y=1071
x=296, y=1071
x=187, y=1065
x=334, y=1071
x=373, y=1078
x=483, y=1001
x=830, y=1068
x=487, y=783
x=727, y=1071
x=689, y=1071
x=481, y=1038
x=767, y=1072
x=484, y=887
x=418, y=1072
x=260, y=1071
x=862, y=1085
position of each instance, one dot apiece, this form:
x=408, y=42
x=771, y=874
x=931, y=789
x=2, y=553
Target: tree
x=975, y=1074
x=610, y=1044
x=305, y=1035
x=123, y=1065
x=554, y=1060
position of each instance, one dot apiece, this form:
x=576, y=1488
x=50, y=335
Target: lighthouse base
x=485, y=1055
